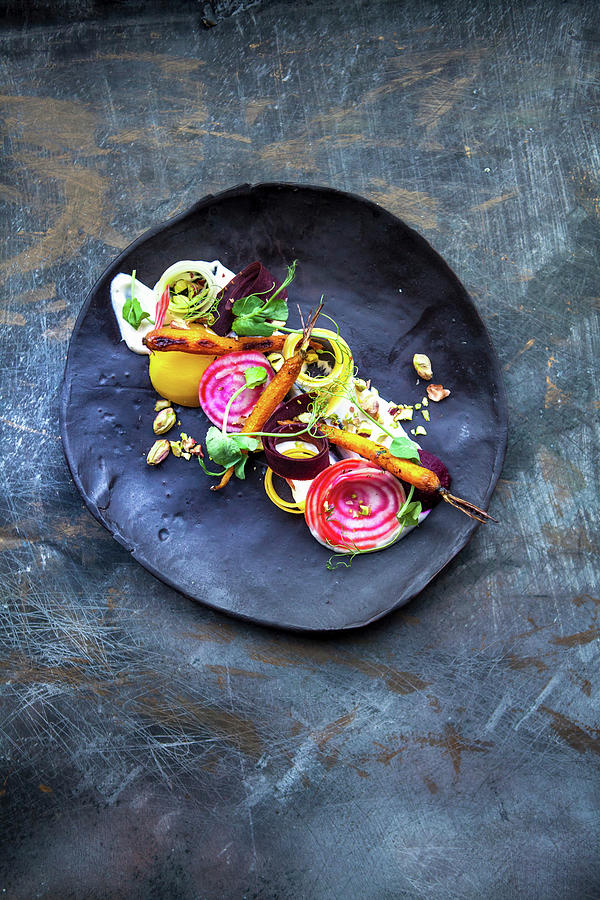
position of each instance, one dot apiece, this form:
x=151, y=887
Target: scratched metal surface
x=151, y=748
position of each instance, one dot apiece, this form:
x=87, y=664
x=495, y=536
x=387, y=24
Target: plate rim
x=501, y=400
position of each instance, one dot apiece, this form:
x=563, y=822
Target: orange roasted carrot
x=199, y=340
x=422, y=478
x=274, y=392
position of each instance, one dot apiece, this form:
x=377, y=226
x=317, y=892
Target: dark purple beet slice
x=254, y=279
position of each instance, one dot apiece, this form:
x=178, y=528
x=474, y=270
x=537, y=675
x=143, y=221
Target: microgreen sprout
x=132, y=310
x=254, y=314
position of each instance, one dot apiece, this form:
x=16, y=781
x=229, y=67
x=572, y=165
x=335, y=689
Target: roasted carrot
x=423, y=479
x=412, y=473
x=275, y=392
x=200, y=340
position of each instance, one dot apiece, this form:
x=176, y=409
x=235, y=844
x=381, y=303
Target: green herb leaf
x=404, y=448
x=275, y=308
x=132, y=311
x=247, y=306
x=252, y=312
x=249, y=325
x=254, y=376
x=227, y=449
x=411, y=514
x=240, y=468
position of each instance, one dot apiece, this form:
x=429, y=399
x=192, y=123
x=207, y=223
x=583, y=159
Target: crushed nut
x=187, y=442
x=158, y=452
x=403, y=414
x=436, y=392
x=369, y=404
x=164, y=421
x=422, y=366
x=420, y=430
x=425, y=414
x=161, y=404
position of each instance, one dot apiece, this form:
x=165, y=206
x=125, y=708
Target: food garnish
x=164, y=420
x=422, y=366
x=253, y=289
x=132, y=311
x=158, y=452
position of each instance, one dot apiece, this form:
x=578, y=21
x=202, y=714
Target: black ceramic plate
x=392, y=296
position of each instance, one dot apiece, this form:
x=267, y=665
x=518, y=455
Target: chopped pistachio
x=365, y=510
x=176, y=448
x=187, y=442
x=161, y=404
x=164, y=421
x=422, y=366
x=158, y=452
x=420, y=430
x=364, y=430
x=404, y=414
x=417, y=406
x=425, y=414
x=178, y=322
x=425, y=401
x=304, y=418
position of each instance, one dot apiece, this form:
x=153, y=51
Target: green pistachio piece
x=158, y=452
x=164, y=421
x=422, y=366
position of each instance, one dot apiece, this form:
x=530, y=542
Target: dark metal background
x=151, y=748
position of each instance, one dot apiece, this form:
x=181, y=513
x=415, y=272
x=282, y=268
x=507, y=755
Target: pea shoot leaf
x=133, y=312
x=248, y=306
x=404, y=448
x=253, y=313
x=409, y=514
x=254, y=376
x=228, y=449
